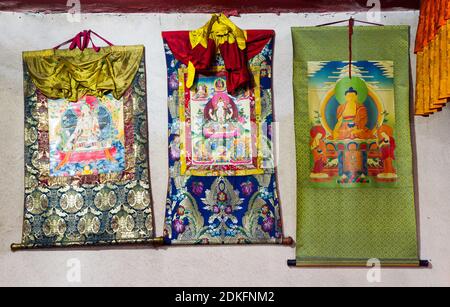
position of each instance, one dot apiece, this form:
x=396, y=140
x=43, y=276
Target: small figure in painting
x=201, y=91
x=318, y=149
x=386, y=143
x=219, y=85
x=353, y=164
x=221, y=114
x=241, y=149
x=221, y=109
x=202, y=151
x=87, y=170
x=87, y=131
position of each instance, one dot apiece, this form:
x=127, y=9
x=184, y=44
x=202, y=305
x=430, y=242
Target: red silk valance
x=235, y=59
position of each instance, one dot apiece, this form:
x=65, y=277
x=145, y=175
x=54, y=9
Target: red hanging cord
x=346, y=20
x=81, y=41
x=351, y=25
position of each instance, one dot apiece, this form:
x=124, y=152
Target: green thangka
x=355, y=187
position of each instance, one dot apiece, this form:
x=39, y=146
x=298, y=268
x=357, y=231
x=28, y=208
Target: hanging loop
x=81, y=41
x=351, y=24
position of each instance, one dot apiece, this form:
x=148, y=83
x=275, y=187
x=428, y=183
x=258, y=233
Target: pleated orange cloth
x=433, y=62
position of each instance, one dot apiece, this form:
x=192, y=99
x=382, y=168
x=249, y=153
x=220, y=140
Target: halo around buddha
x=358, y=84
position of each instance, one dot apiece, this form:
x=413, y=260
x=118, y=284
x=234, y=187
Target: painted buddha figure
x=220, y=114
x=87, y=131
x=352, y=118
x=86, y=135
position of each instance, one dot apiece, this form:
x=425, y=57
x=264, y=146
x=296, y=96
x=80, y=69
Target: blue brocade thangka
x=222, y=185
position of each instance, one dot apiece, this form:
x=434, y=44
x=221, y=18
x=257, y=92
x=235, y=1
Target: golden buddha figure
x=352, y=118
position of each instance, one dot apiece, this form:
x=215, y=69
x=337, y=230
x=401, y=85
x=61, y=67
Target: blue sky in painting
x=380, y=74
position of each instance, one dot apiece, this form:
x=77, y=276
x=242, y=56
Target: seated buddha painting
x=86, y=137
x=352, y=118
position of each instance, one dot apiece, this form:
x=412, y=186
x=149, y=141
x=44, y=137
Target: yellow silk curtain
x=433, y=57
x=72, y=74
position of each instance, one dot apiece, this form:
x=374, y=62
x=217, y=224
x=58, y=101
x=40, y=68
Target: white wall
x=202, y=266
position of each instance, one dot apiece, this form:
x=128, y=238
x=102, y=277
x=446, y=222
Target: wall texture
x=202, y=266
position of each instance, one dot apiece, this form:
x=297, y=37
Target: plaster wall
x=199, y=266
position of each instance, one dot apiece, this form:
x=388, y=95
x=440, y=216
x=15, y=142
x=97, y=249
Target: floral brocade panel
x=222, y=178
x=87, y=168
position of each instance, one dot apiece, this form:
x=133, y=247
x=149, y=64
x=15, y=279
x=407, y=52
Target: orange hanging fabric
x=433, y=63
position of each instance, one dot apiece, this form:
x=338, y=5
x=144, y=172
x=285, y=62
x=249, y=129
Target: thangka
x=87, y=176
x=355, y=187
x=222, y=185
